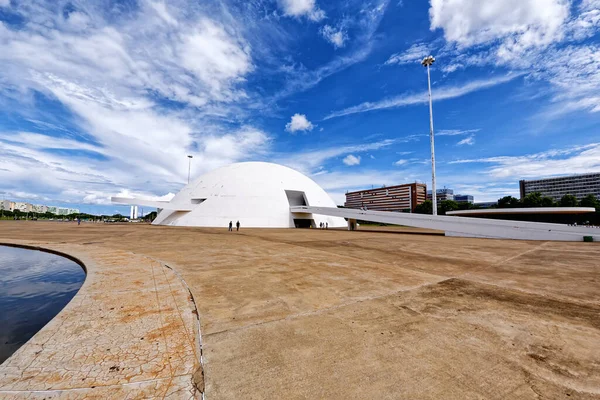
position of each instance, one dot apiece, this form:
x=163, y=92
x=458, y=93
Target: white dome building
x=257, y=194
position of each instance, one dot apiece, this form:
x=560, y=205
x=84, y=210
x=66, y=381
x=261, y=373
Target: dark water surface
x=34, y=287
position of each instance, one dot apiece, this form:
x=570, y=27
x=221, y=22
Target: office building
x=442, y=194
x=555, y=188
x=392, y=198
x=464, y=198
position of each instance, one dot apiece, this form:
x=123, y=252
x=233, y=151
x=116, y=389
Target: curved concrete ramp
x=130, y=332
x=465, y=227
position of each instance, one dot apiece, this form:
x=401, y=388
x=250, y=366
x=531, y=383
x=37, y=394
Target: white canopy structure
x=258, y=194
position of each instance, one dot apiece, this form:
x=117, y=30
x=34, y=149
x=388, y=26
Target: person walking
x=237, y=225
x=230, y=226
x=326, y=225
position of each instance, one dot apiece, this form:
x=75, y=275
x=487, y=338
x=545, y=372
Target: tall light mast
x=427, y=62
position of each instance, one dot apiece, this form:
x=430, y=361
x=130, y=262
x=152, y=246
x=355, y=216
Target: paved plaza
x=294, y=314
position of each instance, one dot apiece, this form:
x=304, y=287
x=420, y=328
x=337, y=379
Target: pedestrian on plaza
x=326, y=225
x=237, y=225
x=230, y=226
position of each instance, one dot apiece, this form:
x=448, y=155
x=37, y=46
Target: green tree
x=591, y=201
x=568, y=200
x=533, y=200
x=509, y=202
x=548, y=202
x=465, y=206
x=424, y=208
x=448, y=205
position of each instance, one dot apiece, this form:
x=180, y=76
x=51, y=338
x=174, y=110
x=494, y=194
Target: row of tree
x=531, y=200
x=536, y=199
x=17, y=214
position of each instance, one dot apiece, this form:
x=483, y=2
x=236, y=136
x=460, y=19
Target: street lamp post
x=189, y=166
x=427, y=61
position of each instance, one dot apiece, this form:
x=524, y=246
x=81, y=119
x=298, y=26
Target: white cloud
x=456, y=132
x=572, y=160
x=411, y=161
x=520, y=24
x=365, y=24
x=4, y=3
x=112, y=76
x=413, y=55
x=337, y=37
x=300, y=8
x=443, y=93
x=308, y=161
x=214, y=57
x=299, y=122
x=448, y=69
x=352, y=160
x=468, y=141
x=161, y=9
x=541, y=37
x=361, y=179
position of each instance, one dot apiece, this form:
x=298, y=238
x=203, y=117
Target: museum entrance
x=304, y=223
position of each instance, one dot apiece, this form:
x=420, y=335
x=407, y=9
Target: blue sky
x=104, y=98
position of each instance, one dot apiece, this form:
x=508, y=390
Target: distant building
x=555, y=188
x=66, y=211
x=7, y=205
x=464, y=198
x=39, y=208
x=487, y=204
x=392, y=198
x=23, y=207
x=442, y=194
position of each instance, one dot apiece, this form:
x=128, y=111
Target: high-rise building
x=577, y=185
x=391, y=198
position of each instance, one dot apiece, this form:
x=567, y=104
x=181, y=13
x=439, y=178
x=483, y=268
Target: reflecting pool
x=34, y=287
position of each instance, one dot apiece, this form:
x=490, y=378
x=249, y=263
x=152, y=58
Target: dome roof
x=258, y=194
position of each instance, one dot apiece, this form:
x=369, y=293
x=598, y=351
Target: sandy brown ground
x=371, y=315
